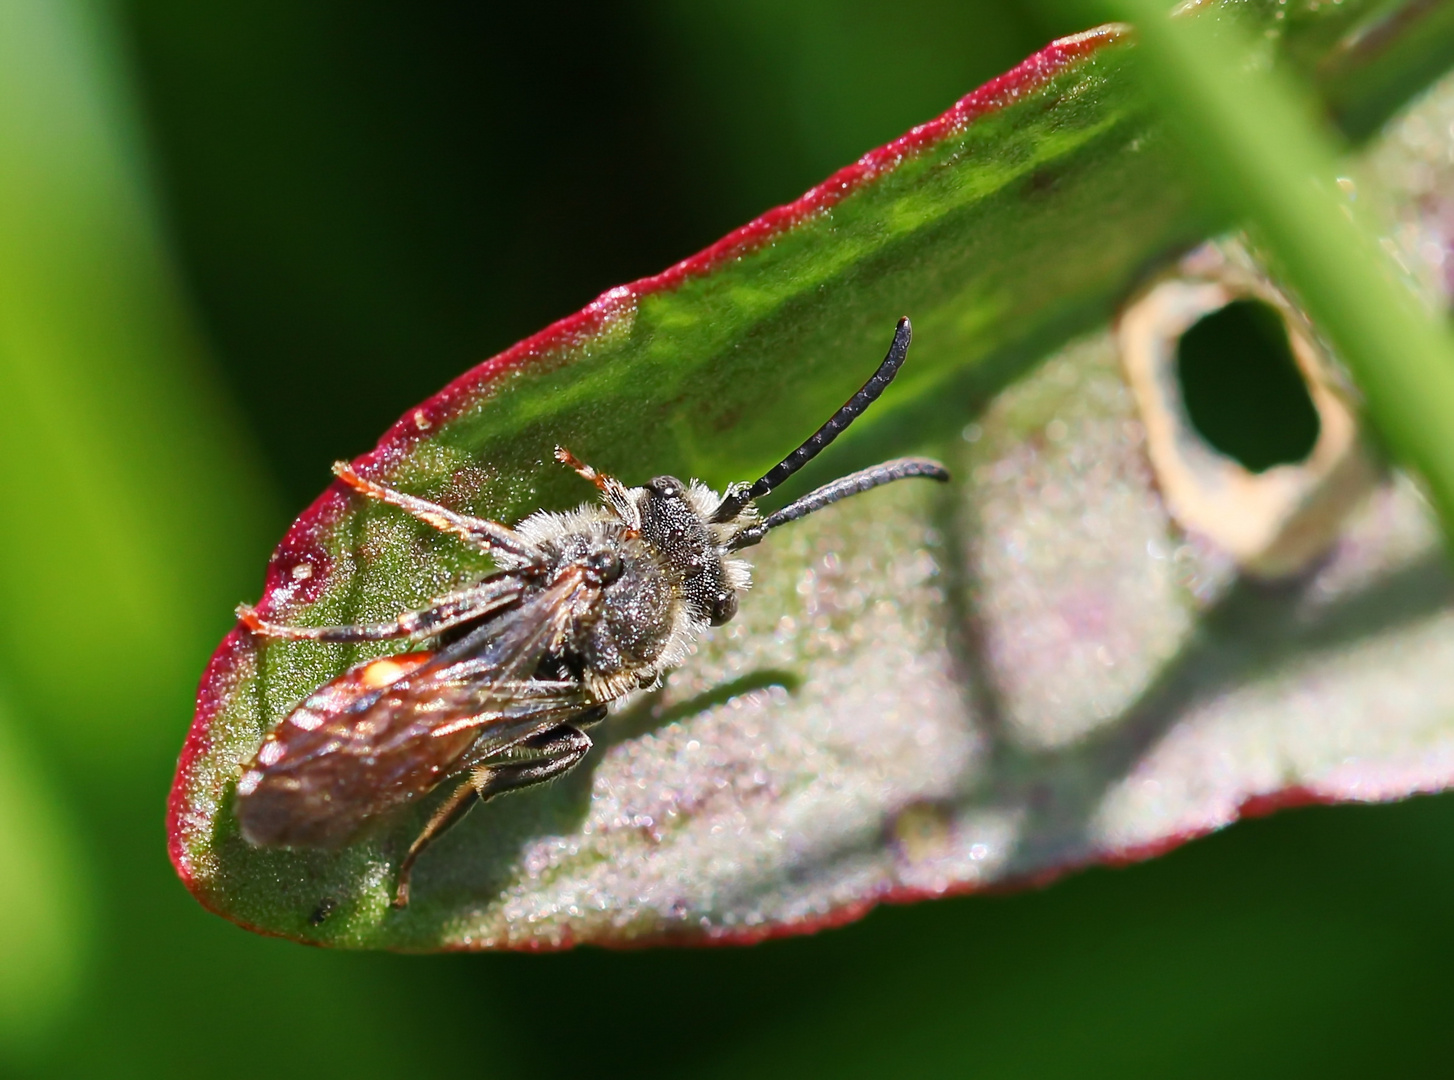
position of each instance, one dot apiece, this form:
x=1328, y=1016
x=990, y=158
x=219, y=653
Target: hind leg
x=538, y=760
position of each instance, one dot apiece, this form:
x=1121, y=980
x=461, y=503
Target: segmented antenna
x=852, y=484
x=739, y=495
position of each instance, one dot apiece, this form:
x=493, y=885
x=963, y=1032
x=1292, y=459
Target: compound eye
x=603, y=567
x=668, y=487
x=724, y=606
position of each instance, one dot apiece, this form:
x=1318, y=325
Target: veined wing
x=387, y=731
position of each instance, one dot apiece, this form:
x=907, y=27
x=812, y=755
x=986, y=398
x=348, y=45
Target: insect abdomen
x=329, y=768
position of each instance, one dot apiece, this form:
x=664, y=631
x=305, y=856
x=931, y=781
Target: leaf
x=924, y=692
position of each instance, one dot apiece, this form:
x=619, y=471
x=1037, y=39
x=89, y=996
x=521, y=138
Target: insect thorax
x=662, y=582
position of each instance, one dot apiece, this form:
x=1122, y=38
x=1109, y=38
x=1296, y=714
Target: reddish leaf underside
x=925, y=693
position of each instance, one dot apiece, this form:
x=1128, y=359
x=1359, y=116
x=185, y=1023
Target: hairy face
x=673, y=523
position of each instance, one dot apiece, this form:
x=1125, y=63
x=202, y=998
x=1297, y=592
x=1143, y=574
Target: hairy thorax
x=641, y=624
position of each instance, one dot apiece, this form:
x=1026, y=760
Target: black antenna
x=739, y=495
x=852, y=484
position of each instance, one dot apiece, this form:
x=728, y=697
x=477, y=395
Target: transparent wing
x=387, y=731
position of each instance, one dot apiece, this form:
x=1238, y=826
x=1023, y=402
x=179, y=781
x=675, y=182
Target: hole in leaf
x=1242, y=388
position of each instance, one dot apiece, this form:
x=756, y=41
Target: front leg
x=490, y=536
x=616, y=495
x=538, y=760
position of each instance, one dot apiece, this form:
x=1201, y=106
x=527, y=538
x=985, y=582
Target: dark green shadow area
x=1242, y=387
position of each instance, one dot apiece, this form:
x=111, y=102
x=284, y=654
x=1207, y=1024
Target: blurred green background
x=237, y=241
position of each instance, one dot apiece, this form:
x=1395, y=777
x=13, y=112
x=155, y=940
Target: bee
x=583, y=608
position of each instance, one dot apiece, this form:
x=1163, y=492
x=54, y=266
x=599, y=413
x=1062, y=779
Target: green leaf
x=924, y=692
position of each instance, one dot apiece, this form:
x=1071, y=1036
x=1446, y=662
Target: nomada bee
x=585, y=607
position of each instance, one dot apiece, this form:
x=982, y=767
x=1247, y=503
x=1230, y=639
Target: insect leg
x=361, y=632
x=612, y=490
x=454, y=808
x=580, y=468
x=538, y=759
x=589, y=718
x=480, y=532
x=448, y=612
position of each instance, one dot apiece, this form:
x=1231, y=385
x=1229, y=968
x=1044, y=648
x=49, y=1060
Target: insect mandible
x=583, y=608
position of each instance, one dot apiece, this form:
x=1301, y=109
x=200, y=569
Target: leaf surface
x=927, y=690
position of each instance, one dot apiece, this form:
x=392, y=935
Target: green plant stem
x=1258, y=144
